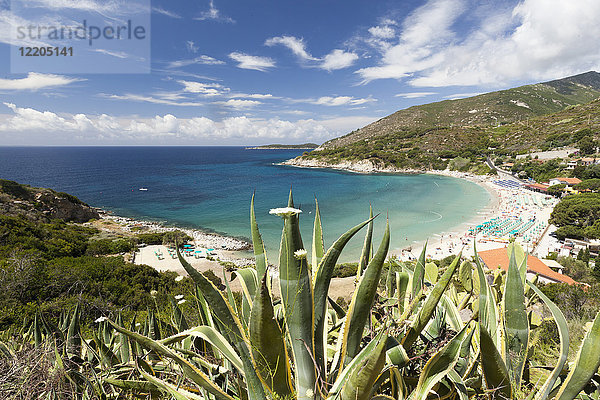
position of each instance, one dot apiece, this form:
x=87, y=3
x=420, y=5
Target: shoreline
x=450, y=242
x=209, y=239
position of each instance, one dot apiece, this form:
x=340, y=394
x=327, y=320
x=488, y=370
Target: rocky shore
x=205, y=239
x=359, y=166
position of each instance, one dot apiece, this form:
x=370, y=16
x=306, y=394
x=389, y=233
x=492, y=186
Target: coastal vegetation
x=578, y=216
x=414, y=330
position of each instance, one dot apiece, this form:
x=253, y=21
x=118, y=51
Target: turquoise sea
x=211, y=187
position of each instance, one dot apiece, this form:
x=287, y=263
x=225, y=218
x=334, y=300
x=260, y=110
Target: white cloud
x=532, y=40
x=201, y=60
x=382, y=32
x=341, y=101
x=102, y=7
x=214, y=14
x=246, y=61
x=36, y=81
x=191, y=46
x=414, y=95
x=117, y=54
x=253, y=96
x=167, y=13
x=296, y=45
x=50, y=128
x=240, y=104
x=423, y=32
x=206, y=89
x=170, y=99
x=338, y=59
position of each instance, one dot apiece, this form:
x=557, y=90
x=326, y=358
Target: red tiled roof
x=570, y=181
x=499, y=258
x=538, y=186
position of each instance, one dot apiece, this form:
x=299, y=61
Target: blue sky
x=249, y=72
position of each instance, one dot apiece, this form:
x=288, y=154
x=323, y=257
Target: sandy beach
x=516, y=206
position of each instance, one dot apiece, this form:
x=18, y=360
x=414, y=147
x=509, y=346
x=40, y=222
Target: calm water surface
x=211, y=187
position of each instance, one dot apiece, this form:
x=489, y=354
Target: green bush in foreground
x=453, y=332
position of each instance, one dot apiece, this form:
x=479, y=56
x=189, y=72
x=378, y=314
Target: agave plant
x=419, y=331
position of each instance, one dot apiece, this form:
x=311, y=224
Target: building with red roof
x=498, y=258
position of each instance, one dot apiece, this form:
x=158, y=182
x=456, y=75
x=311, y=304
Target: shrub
x=345, y=270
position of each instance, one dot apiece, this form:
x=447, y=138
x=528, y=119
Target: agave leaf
x=459, y=385
x=431, y=273
x=365, y=255
x=203, y=309
x=465, y=275
x=212, y=336
x=73, y=334
x=520, y=259
x=154, y=329
x=516, y=324
x=318, y=246
x=268, y=345
x=260, y=256
x=452, y=314
x=37, y=331
x=188, y=369
x=124, y=346
x=297, y=299
x=142, y=386
x=438, y=366
x=397, y=356
x=494, y=370
x=461, y=365
x=230, y=297
x=107, y=357
x=585, y=366
x=390, y=282
x=322, y=281
x=362, y=300
x=339, y=311
x=402, y=279
x=488, y=313
x=170, y=389
x=231, y=325
x=360, y=382
x=248, y=281
x=355, y=363
x=428, y=308
x=419, y=273
x=563, y=332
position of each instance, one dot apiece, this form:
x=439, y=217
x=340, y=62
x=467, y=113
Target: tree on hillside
x=172, y=237
x=557, y=190
x=576, y=213
x=588, y=184
x=587, y=145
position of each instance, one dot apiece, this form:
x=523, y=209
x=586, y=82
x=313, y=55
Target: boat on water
x=143, y=189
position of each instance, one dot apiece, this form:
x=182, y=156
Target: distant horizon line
x=149, y=145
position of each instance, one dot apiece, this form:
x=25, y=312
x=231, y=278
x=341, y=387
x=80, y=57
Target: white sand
x=504, y=204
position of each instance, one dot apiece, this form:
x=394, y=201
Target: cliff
x=42, y=205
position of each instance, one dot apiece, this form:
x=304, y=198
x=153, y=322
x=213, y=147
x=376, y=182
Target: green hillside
x=550, y=122
x=485, y=110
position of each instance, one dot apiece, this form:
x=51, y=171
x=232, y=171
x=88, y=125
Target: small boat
x=143, y=189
